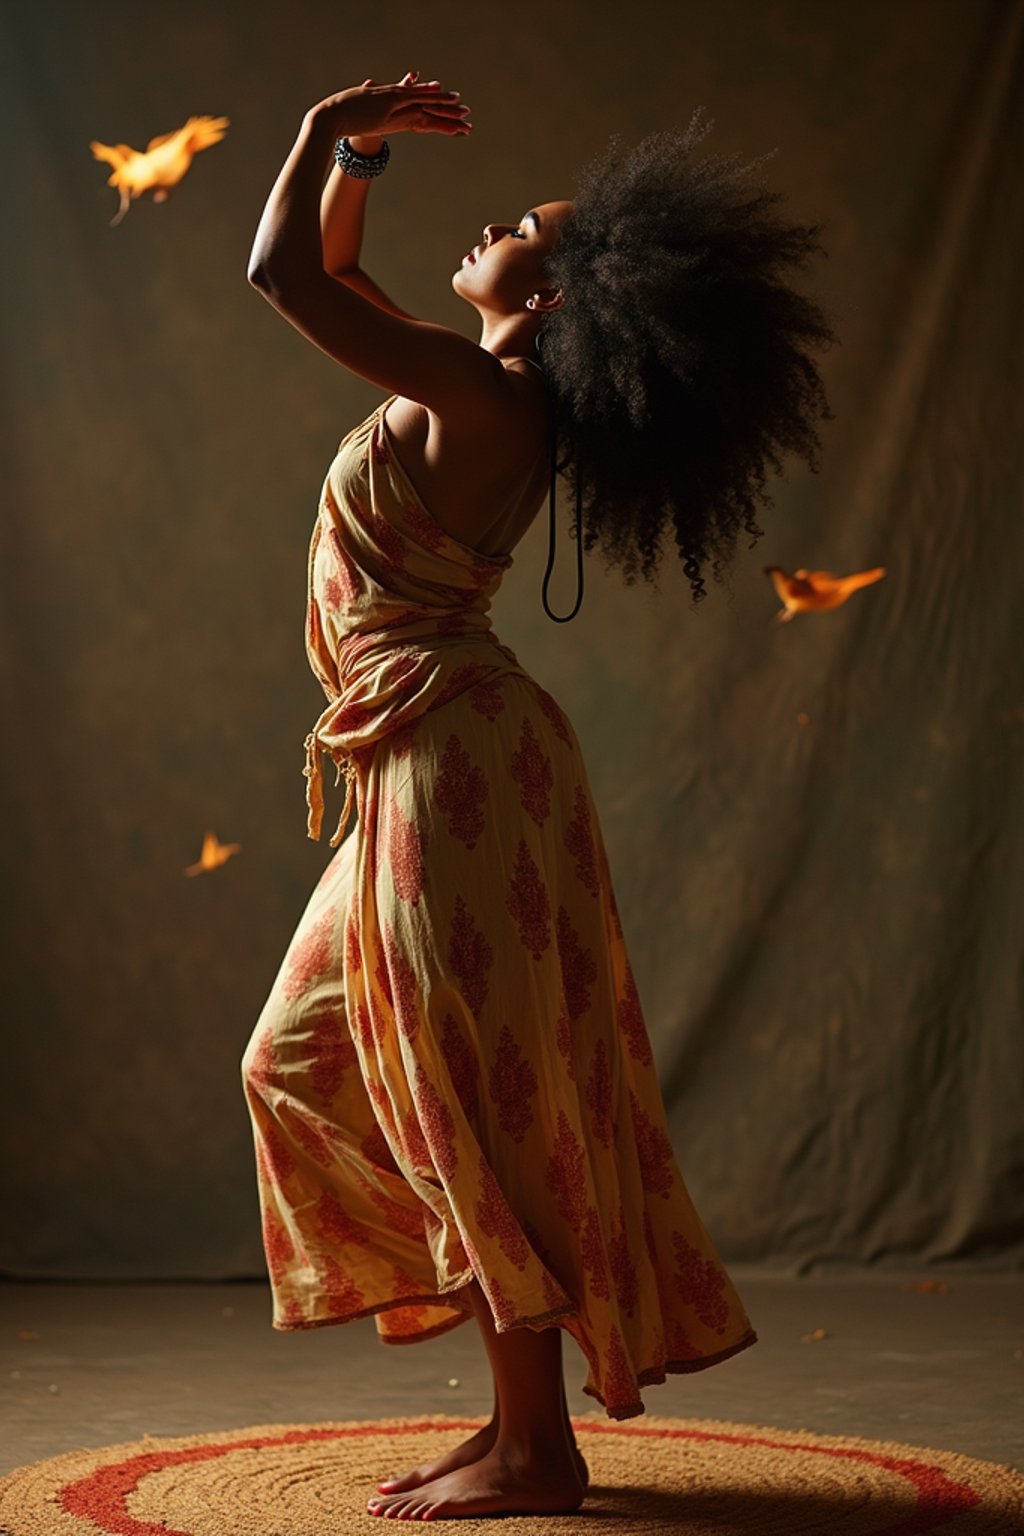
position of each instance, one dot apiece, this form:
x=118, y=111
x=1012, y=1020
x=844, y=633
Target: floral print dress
x=451, y=1077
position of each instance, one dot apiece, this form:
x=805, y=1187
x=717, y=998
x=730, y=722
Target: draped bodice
x=397, y=612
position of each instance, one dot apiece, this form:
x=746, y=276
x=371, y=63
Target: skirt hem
x=382, y=1306
x=655, y=1375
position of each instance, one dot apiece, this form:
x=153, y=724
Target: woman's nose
x=491, y=232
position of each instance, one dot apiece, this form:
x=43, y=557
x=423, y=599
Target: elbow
x=256, y=275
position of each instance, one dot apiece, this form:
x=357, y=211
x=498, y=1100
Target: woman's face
x=505, y=269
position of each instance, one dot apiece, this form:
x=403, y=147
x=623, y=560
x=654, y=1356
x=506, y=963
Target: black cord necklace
x=560, y=618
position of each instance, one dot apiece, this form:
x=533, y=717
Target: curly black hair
x=677, y=361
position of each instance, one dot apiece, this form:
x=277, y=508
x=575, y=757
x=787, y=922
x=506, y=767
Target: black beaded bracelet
x=362, y=166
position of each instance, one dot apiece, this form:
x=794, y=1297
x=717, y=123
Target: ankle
x=543, y=1449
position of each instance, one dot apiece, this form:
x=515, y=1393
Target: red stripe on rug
x=101, y=1496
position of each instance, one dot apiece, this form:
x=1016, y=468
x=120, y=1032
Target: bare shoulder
x=501, y=421
x=475, y=449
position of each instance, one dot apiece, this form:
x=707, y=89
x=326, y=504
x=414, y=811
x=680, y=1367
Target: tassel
x=348, y=767
x=314, y=788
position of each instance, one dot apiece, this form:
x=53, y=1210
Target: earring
x=530, y=304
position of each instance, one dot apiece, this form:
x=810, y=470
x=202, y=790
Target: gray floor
x=89, y=1364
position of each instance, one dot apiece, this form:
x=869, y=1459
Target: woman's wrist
x=366, y=144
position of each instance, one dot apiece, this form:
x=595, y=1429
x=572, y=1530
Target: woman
x=454, y=1101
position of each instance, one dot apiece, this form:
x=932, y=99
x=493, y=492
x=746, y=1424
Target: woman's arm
x=342, y=215
x=429, y=363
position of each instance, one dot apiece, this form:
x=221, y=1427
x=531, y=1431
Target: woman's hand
x=365, y=113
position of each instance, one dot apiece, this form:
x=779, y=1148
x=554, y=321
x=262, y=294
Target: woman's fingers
x=429, y=122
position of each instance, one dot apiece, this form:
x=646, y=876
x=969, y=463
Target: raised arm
x=342, y=216
x=430, y=363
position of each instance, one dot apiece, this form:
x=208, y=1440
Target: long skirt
x=452, y=1078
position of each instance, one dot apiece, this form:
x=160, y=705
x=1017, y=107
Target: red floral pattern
x=309, y=1137
x=262, y=1069
x=333, y=1054
x=501, y=1306
x=388, y=539
x=654, y=1151
x=438, y=1125
x=344, y=585
x=631, y=1023
x=579, y=969
x=334, y=1223
x=599, y=1095
x=495, y=1219
x=353, y=953
x=579, y=840
x=279, y=1165
x=512, y=1086
x=460, y=790
x=277, y=1246
x=404, y=852
x=309, y=958
x=595, y=1261
x=555, y=715
x=404, y=986
x=620, y=1382
x=414, y=1143
x=396, y=1217
x=424, y=529
x=527, y=902
x=470, y=957
x=342, y=1291
x=624, y=1274
x=532, y=771
x=486, y=699
x=701, y=1284
x=564, y=1041
x=566, y=1175
x=364, y=1026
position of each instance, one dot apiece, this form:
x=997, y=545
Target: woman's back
x=483, y=487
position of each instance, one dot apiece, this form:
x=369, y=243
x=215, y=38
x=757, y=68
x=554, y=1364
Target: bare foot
x=492, y=1485
x=464, y=1455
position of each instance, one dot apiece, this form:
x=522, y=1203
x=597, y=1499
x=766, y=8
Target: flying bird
x=161, y=165
x=814, y=591
x=213, y=854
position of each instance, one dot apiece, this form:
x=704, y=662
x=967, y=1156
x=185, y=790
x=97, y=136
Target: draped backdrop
x=816, y=829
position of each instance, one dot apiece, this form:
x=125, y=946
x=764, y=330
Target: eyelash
x=521, y=233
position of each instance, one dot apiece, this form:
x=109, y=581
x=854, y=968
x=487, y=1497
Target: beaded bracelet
x=363, y=166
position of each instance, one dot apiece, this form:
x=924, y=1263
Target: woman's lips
x=470, y=256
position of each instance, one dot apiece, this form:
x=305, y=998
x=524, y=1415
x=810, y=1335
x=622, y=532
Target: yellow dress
x=451, y=1076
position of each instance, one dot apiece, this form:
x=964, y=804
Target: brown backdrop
x=815, y=829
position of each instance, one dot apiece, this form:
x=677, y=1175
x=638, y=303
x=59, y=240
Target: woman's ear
x=542, y=302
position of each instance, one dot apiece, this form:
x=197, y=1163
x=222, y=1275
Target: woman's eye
x=519, y=233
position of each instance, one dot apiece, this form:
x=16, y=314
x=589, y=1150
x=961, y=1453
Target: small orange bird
x=163, y=162
x=213, y=854
x=814, y=591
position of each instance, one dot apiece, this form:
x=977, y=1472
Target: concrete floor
x=84, y=1364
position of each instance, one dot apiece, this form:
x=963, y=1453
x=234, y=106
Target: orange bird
x=163, y=162
x=214, y=853
x=814, y=591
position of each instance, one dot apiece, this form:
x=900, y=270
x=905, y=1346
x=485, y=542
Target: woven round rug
x=676, y=1477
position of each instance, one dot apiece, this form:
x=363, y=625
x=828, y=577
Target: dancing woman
x=454, y=1100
